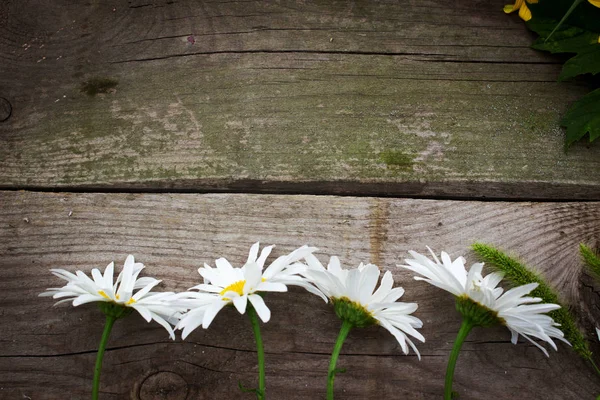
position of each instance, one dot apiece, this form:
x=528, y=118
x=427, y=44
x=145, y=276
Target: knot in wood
x=5, y=109
x=164, y=385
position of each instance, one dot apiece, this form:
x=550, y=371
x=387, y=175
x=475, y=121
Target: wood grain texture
x=48, y=351
x=367, y=97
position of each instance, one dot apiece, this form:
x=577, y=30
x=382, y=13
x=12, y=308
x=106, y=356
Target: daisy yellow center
x=237, y=287
x=107, y=297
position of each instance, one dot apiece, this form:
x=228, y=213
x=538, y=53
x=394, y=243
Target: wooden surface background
x=120, y=120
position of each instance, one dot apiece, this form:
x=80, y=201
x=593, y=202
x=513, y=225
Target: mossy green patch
x=540, y=123
x=397, y=159
x=97, y=85
x=234, y=123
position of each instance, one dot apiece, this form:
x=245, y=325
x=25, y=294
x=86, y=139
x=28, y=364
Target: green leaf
x=257, y=392
x=582, y=63
x=543, y=27
x=569, y=39
x=580, y=35
x=583, y=117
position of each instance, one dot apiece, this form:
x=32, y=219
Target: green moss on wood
x=396, y=159
x=327, y=130
x=97, y=85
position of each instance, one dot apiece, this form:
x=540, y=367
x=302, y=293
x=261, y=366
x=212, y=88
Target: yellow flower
x=524, y=11
x=595, y=3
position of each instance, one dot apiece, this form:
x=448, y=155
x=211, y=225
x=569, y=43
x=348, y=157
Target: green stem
x=569, y=11
x=110, y=320
x=595, y=366
x=346, y=326
x=465, y=328
x=260, y=394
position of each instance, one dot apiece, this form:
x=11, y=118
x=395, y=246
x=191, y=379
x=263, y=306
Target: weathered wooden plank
x=49, y=351
x=403, y=98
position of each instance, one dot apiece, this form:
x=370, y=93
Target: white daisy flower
x=226, y=284
x=151, y=305
x=480, y=299
x=356, y=301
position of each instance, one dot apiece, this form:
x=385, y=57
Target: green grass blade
x=518, y=274
x=591, y=260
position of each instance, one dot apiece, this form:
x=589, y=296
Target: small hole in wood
x=5, y=109
x=164, y=385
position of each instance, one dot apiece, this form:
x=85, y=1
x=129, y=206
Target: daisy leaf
x=519, y=274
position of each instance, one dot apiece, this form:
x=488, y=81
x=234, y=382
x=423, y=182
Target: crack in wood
x=484, y=191
x=267, y=51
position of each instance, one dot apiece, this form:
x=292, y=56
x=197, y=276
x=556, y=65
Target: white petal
x=98, y=278
x=393, y=295
x=384, y=288
x=87, y=298
x=208, y=288
x=334, y=266
x=263, y=256
x=240, y=303
x=399, y=335
x=214, y=277
x=142, y=292
x=191, y=321
x=144, y=312
x=126, y=286
x=164, y=324
x=511, y=297
x=253, y=277
x=302, y=282
x=261, y=308
x=144, y=281
x=412, y=346
x=224, y=267
x=370, y=276
x=271, y=287
x=353, y=285
x=253, y=253
x=109, y=273
x=314, y=263
x=211, y=312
